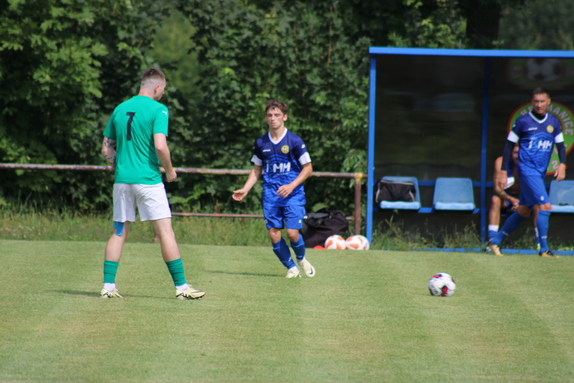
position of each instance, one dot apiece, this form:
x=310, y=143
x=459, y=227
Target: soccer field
x=367, y=316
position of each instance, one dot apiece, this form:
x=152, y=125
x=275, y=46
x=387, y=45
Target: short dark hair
x=153, y=74
x=540, y=90
x=276, y=104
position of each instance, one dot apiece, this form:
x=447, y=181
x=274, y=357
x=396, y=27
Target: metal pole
x=483, y=149
x=371, y=148
x=357, y=214
x=356, y=176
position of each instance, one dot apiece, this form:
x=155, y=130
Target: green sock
x=110, y=270
x=175, y=268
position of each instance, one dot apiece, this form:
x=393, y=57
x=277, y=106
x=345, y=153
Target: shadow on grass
x=246, y=274
x=76, y=292
x=96, y=294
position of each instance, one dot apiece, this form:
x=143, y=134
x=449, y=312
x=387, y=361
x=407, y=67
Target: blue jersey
x=536, y=139
x=281, y=163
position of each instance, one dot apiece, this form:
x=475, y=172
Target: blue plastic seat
x=453, y=194
x=562, y=196
x=415, y=205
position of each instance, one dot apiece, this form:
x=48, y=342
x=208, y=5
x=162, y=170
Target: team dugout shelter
x=446, y=113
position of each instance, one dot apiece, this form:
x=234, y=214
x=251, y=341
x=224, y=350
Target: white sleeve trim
x=512, y=137
x=305, y=159
x=256, y=160
x=559, y=138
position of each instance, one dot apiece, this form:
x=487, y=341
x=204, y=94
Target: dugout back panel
x=446, y=113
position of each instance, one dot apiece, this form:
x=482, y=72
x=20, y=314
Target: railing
x=358, y=177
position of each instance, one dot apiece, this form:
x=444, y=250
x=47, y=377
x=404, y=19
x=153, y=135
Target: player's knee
x=164, y=235
x=275, y=235
x=524, y=211
x=293, y=235
x=546, y=207
x=495, y=203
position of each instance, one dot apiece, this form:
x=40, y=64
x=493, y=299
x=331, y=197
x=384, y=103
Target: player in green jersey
x=135, y=142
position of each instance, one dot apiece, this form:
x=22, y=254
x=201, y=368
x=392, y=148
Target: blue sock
x=537, y=237
x=299, y=248
x=542, y=225
x=509, y=226
x=491, y=234
x=282, y=252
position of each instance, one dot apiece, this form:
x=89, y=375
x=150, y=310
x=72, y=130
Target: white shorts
x=151, y=201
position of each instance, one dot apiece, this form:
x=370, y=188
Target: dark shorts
x=279, y=217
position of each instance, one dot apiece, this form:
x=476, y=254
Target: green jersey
x=133, y=125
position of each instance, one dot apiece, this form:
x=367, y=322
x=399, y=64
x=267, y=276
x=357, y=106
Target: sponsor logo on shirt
x=279, y=168
x=544, y=145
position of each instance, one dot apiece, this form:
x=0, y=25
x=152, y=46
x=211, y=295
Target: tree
x=296, y=52
x=483, y=19
x=57, y=58
x=538, y=25
x=170, y=48
x=430, y=24
x=64, y=65
x=312, y=55
x=405, y=23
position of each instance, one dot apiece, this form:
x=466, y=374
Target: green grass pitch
x=367, y=316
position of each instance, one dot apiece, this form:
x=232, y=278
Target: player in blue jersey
x=505, y=200
x=536, y=133
x=280, y=157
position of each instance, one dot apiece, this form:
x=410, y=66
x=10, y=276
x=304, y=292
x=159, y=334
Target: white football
x=335, y=242
x=357, y=242
x=441, y=285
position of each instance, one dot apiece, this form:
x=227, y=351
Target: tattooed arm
x=109, y=151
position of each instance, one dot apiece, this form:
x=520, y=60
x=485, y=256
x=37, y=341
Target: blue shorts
x=279, y=217
x=532, y=191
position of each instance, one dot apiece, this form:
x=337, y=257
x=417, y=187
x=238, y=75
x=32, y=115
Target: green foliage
x=438, y=26
x=311, y=55
x=482, y=20
x=538, y=25
x=295, y=52
x=57, y=59
x=65, y=64
x=170, y=49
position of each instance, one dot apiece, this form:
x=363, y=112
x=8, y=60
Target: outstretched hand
x=238, y=195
